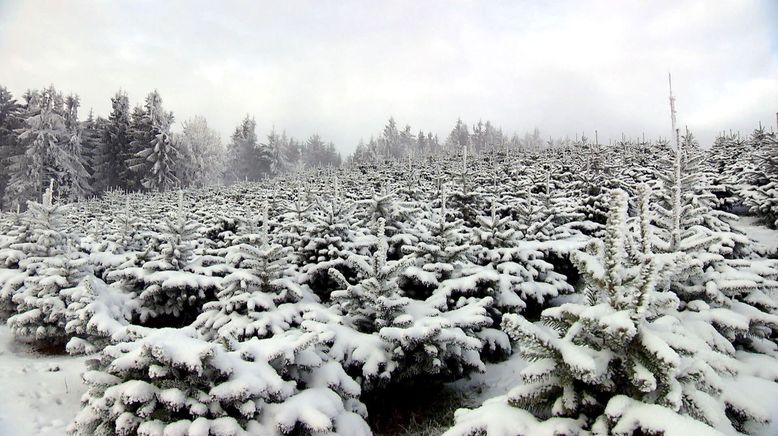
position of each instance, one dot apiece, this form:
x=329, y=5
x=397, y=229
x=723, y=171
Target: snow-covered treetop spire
x=673, y=111
x=615, y=249
x=263, y=230
x=624, y=282
x=464, y=158
x=47, y=195
x=443, y=203
x=644, y=196
x=181, y=212
x=383, y=244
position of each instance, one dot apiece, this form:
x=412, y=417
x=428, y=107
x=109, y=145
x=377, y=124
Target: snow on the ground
x=498, y=379
x=39, y=394
x=755, y=230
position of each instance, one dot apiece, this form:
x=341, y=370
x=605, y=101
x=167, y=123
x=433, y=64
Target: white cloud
x=342, y=68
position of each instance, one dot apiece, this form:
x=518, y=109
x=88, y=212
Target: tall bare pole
x=672, y=110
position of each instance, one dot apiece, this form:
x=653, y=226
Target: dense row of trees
x=394, y=143
x=134, y=149
x=248, y=159
x=42, y=138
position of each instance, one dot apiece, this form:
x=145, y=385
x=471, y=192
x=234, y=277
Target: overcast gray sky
x=341, y=68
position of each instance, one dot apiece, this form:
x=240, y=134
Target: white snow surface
x=39, y=394
x=764, y=237
x=496, y=380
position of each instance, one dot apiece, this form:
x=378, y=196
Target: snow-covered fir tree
x=293, y=221
x=110, y=162
x=11, y=112
x=75, y=185
x=241, y=152
x=200, y=154
x=399, y=218
x=381, y=334
x=51, y=265
x=96, y=315
x=169, y=288
x=47, y=154
x=511, y=269
x=441, y=251
x=326, y=241
x=602, y=365
x=256, y=299
x=763, y=198
x=154, y=153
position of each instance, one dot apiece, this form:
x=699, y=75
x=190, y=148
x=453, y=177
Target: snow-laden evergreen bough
x=97, y=315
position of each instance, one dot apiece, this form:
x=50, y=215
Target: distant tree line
x=133, y=149
x=396, y=143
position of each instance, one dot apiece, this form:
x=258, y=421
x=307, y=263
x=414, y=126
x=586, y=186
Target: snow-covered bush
x=170, y=382
x=169, y=288
x=383, y=334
